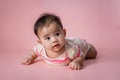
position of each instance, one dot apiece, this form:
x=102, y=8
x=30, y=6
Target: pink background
x=97, y=21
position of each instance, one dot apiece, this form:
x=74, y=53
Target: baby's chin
x=56, y=50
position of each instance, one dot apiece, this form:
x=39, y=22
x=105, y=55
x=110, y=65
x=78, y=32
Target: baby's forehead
x=49, y=29
x=50, y=25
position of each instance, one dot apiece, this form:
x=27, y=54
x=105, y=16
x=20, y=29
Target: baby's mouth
x=56, y=45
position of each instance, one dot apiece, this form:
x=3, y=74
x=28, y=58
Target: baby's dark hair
x=45, y=20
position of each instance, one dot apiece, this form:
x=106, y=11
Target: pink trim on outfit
x=57, y=61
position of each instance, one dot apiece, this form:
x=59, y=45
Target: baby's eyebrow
x=45, y=35
x=57, y=30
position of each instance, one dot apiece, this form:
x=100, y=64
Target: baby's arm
x=29, y=59
x=77, y=63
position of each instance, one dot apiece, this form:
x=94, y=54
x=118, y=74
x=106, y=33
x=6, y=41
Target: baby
x=53, y=46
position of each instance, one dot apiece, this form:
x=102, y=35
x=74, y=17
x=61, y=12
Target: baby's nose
x=54, y=39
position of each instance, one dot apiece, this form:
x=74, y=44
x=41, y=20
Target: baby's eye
x=47, y=38
x=57, y=34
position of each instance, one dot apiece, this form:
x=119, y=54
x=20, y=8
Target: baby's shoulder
x=76, y=41
x=73, y=40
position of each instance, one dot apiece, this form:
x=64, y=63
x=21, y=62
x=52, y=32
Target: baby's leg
x=92, y=53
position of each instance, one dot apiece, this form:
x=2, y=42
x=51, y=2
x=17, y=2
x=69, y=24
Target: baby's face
x=52, y=37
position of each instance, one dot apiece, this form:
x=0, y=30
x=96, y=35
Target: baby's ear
x=39, y=41
x=64, y=31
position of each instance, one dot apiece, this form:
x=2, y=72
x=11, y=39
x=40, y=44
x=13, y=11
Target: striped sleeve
x=38, y=49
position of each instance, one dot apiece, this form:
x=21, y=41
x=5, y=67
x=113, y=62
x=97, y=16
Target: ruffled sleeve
x=84, y=46
x=77, y=47
x=72, y=49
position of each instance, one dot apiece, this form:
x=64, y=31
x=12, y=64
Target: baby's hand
x=26, y=61
x=75, y=65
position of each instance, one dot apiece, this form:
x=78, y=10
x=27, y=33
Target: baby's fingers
x=75, y=66
x=79, y=67
x=26, y=61
x=72, y=66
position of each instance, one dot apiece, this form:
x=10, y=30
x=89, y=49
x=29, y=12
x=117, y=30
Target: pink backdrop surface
x=97, y=21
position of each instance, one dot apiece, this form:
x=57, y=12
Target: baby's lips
x=56, y=45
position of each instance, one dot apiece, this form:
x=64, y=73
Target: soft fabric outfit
x=74, y=48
